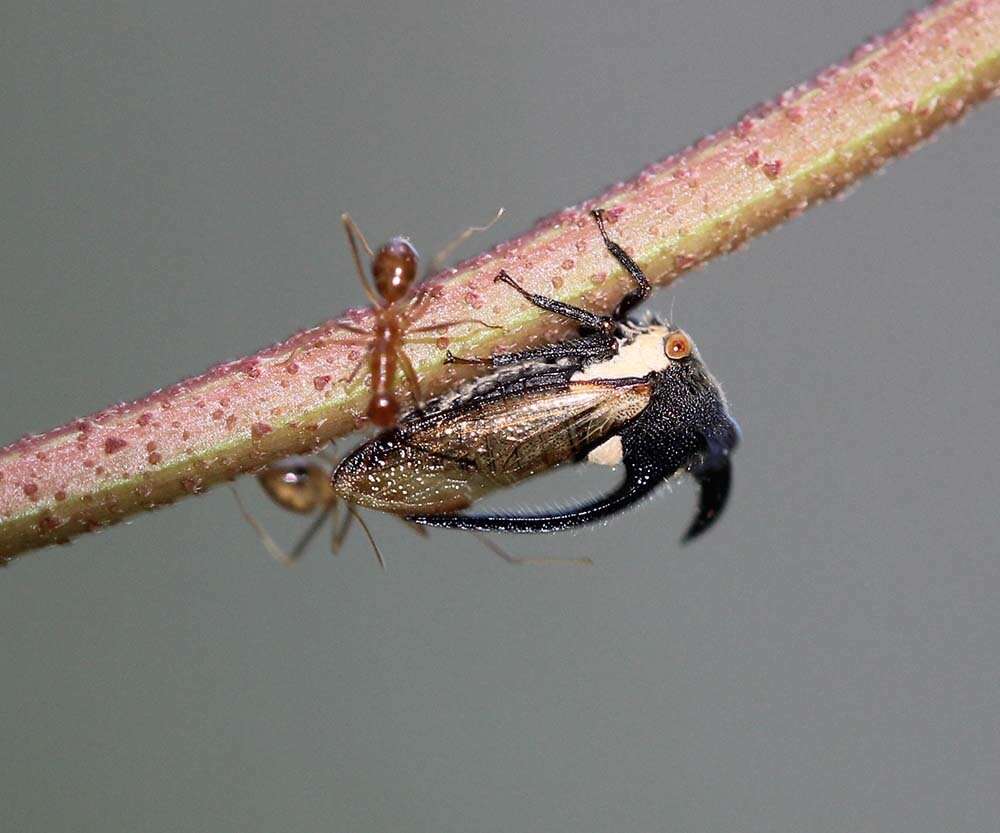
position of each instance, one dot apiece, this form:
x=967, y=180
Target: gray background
x=825, y=660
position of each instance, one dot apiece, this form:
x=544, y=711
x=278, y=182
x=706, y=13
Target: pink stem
x=776, y=161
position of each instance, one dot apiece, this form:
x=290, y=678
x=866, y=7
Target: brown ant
x=303, y=485
x=397, y=305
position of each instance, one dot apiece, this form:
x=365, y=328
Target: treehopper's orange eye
x=678, y=346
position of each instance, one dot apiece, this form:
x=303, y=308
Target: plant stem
x=292, y=397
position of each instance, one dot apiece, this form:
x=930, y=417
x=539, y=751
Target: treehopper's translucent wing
x=446, y=461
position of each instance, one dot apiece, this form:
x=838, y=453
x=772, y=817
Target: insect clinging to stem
x=303, y=485
x=622, y=392
x=398, y=302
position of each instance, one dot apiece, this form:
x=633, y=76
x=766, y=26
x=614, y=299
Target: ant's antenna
x=368, y=534
x=276, y=552
x=353, y=232
x=439, y=260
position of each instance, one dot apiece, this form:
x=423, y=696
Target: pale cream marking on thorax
x=644, y=354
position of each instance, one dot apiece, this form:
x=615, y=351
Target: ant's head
x=297, y=484
x=394, y=268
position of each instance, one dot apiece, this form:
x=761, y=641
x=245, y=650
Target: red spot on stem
x=114, y=444
x=260, y=429
x=772, y=169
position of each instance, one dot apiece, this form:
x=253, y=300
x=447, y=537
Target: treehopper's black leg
x=451, y=358
x=590, y=320
x=594, y=347
x=642, y=290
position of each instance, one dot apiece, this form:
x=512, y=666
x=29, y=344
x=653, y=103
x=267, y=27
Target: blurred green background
x=825, y=660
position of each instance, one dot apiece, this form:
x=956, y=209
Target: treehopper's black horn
x=714, y=487
x=714, y=474
x=640, y=479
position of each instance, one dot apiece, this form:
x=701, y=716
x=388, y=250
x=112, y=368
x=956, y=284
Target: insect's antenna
x=353, y=229
x=276, y=552
x=670, y=317
x=439, y=260
x=309, y=534
x=368, y=534
x=353, y=233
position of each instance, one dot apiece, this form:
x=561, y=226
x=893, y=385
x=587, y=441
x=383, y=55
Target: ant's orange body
x=397, y=305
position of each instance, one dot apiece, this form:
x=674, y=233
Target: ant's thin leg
x=349, y=328
x=360, y=363
x=351, y=229
x=309, y=534
x=496, y=549
x=368, y=534
x=411, y=376
x=340, y=533
x=589, y=319
x=443, y=325
x=290, y=358
x=350, y=378
x=642, y=290
x=348, y=342
x=332, y=512
x=422, y=340
x=352, y=342
x=276, y=552
x=417, y=311
x=417, y=306
x=439, y=260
